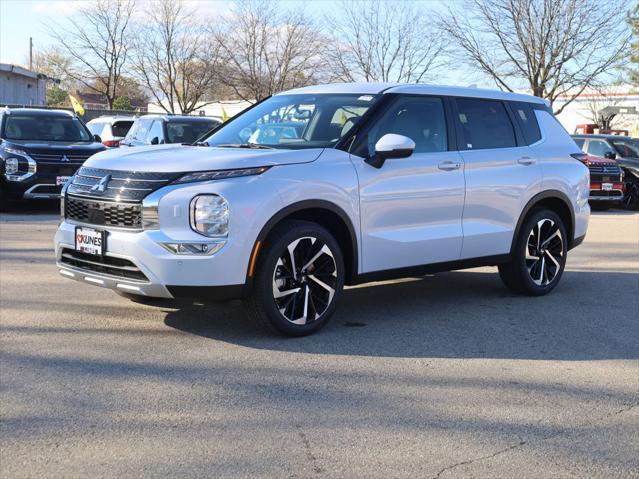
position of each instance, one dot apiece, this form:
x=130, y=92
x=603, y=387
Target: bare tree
x=174, y=58
x=55, y=65
x=553, y=47
x=96, y=41
x=266, y=50
x=601, y=102
x=383, y=40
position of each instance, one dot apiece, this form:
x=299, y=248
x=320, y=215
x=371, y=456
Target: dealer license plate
x=61, y=180
x=606, y=186
x=88, y=240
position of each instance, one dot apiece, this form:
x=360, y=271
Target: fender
x=300, y=206
x=545, y=195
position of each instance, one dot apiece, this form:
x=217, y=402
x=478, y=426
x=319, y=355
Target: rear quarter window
x=527, y=121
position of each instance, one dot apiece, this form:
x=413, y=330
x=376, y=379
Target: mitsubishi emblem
x=65, y=159
x=101, y=186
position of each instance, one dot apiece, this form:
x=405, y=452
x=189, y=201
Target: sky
x=21, y=19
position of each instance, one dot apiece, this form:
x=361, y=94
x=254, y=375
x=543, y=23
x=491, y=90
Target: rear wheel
x=539, y=256
x=299, y=279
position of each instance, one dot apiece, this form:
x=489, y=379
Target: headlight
x=210, y=215
x=220, y=174
x=11, y=166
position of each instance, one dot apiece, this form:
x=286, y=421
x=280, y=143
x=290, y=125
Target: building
x=19, y=86
x=623, y=100
x=217, y=109
x=95, y=101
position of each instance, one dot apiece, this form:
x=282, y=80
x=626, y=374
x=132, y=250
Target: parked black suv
x=160, y=129
x=39, y=150
x=625, y=151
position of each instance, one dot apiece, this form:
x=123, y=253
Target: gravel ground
x=445, y=376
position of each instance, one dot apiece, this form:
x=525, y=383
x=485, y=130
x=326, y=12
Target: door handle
x=449, y=165
x=526, y=160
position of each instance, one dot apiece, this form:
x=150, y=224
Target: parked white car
x=382, y=181
x=111, y=129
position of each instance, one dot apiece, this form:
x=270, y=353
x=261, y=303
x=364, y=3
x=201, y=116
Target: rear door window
x=485, y=124
x=527, y=121
x=121, y=128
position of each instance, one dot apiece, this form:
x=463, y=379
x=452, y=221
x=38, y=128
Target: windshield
x=627, y=149
x=45, y=128
x=294, y=121
x=187, y=131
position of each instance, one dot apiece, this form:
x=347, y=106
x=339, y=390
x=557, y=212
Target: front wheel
x=299, y=279
x=631, y=195
x=539, y=256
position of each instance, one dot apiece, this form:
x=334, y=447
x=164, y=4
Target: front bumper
x=607, y=196
x=41, y=185
x=161, y=274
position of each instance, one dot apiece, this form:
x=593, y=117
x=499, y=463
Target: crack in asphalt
x=522, y=443
x=309, y=451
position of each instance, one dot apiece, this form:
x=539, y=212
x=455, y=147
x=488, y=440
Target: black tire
x=280, y=269
x=137, y=298
x=631, y=195
x=525, y=275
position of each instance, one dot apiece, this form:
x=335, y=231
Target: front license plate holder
x=90, y=241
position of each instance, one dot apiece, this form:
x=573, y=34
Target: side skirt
x=422, y=270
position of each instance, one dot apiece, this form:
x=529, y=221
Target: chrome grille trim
x=123, y=185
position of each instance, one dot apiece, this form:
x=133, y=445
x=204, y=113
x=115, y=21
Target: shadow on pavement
x=453, y=315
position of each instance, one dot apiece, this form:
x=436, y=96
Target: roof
x=105, y=118
x=604, y=136
x=37, y=111
x=407, y=88
x=169, y=117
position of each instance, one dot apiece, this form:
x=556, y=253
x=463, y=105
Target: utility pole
x=31, y=53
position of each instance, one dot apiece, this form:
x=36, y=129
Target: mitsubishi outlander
x=320, y=187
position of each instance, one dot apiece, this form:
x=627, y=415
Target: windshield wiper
x=253, y=146
x=197, y=143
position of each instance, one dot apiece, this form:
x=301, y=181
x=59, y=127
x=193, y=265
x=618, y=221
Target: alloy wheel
x=631, y=197
x=544, y=252
x=304, y=280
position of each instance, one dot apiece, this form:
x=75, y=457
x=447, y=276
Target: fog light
x=194, y=248
x=11, y=166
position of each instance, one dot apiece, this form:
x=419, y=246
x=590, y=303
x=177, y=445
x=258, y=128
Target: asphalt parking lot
x=445, y=376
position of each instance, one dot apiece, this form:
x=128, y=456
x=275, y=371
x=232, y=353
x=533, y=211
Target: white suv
x=321, y=187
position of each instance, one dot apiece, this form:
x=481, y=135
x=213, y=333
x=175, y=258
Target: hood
x=181, y=158
x=55, y=145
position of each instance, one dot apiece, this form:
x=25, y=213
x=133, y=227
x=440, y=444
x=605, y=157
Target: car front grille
x=104, y=213
x=609, y=170
x=117, y=185
x=58, y=156
x=107, y=265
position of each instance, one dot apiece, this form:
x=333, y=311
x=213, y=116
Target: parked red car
x=606, y=181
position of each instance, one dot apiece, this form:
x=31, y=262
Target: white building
x=622, y=98
x=19, y=86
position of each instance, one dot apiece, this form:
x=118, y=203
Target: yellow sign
x=77, y=106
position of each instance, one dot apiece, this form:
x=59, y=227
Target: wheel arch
x=325, y=213
x=555, y=201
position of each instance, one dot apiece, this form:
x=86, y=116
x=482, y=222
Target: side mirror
x=97, y=138
x=155, y=140
x=611, y=155
x=391, y=146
